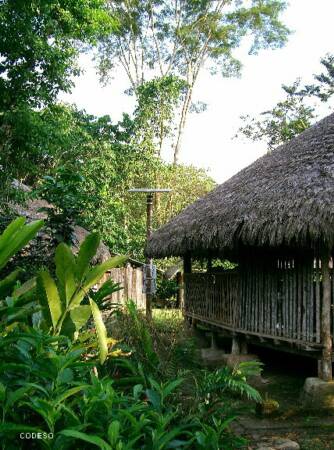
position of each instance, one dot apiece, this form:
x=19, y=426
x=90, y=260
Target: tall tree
x=181, y=37
x=39, y=43
x=295, y=113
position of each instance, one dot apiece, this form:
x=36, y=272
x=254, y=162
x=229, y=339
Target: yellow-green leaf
x=100, y=331
x=52, y=297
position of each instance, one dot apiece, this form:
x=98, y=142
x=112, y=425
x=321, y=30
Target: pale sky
x=208, y=137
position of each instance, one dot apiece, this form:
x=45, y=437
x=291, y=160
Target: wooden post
x=186, y=270
x=235, y=350
x=180, y=291
x=149, y=261
x=239, y=345
x=209, y=265
x=326, y=338
x=187, y=264
x=214, y=343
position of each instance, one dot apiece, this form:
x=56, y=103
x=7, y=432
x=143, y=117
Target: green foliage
x=142, y=334
x=64, y=192
x=39, y=45
x=287, y=119
x=323, y=88
x=62, y=301
x=232, y=380
x=15, y=237
x=16, y=301
x=102, y=296
x=45, y=386
x=155, y=111
x=180, y=40
x=85, y=166
x=295, y=113
x=166, y=291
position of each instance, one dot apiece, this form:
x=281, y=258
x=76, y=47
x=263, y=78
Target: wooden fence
x=278, y=298
x=131, y=279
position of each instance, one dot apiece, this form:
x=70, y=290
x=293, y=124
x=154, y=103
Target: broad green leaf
x=26, y=287
x=2, y=392
x=76, y=319
x=80, y=316
x=87, y=251
x=16, y=428
x=177, y=443
x=52, y=296
x=10, y=231
x=70, y=412
x=102, y=444
x=169, y=438
x=45, y=409
x=137, y=390
x=170, y=387
x=113, y=432
x=65, y=376
x=69, y=393
x=154, y=398
x=97, y=272
x=14, y=396
x=15, y=237
x=100, y=331
x=38, y=388
x=65, y=271
x=8, y=283
x=94, y=276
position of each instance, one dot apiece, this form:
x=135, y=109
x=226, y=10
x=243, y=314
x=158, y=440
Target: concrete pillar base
x=318, y=394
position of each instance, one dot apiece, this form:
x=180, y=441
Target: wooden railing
x=212, y=296
x=280, y=299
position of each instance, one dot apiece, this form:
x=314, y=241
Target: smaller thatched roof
x=285, y=198
x=34, y=209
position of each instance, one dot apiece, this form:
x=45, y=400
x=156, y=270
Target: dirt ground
x=283, y=379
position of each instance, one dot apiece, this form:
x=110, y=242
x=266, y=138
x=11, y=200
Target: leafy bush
x=62, y=301
x=162, y=346
x=46, y=386
x=49, y=383
x=166, y=291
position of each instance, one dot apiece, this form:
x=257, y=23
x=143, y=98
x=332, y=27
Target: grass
x=167, y=319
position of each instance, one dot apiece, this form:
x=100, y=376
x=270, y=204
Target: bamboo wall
x=131, y=278
x=277, y=297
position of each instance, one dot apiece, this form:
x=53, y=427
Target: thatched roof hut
x=284, y=198
x=275, y=218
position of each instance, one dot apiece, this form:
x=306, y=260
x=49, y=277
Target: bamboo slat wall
x=279, y=298
x=131, y=279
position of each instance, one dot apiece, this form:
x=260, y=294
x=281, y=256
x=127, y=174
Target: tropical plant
x=102, y=295
x=62, y=301
x=39, y=375
x=16, y=301
x=15, y=237
x=46, y=387
x=233, y=379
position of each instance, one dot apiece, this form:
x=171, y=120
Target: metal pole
x=149, y=213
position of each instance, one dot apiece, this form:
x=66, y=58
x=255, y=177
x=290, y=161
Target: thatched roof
x=35, y=209
x=285, y=198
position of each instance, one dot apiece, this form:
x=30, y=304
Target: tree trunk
x=326, y=338
x=181, y=126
